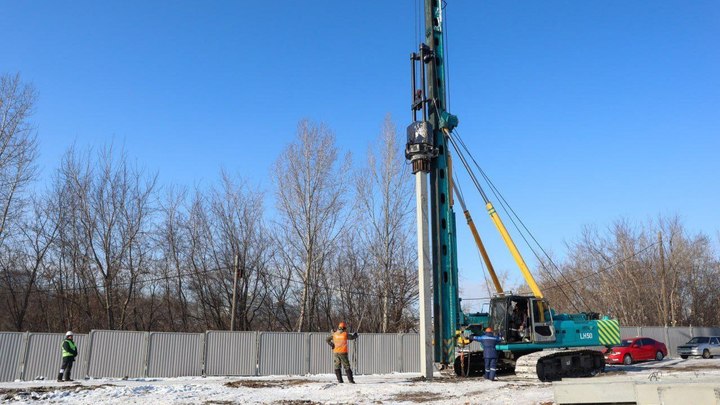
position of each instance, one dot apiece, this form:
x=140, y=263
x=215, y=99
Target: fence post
x=307, y=352
x=147, y=354
x=258, y=345
x=203, y=371
x=23, y=358
x=399, y=356
x=88, y=358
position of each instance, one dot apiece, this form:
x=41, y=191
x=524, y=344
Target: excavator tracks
x=554, y=365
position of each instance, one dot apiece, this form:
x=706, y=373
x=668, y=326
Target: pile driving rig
x=548, y=346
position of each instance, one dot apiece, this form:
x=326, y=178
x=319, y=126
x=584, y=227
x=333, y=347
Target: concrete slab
x=594, y=393
x=612, y=390
x=687, y=393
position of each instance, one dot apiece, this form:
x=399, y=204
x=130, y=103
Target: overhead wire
x=597, y=273
x=592, y=273
x=510, y=210
x=522, y=229
x=203, y=272
x=471, y=173
x=506, y=207
x=458, y=190
x=512, y=215
x=446, y=68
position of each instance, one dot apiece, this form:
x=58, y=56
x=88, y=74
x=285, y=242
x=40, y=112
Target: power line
x=512, y=215
x=610, y=267
x=202, y=272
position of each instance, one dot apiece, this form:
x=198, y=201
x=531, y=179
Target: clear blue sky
x=582, y=112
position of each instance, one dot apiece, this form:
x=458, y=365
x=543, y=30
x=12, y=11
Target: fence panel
x=283, y=353
x=219, y=353
x=44, y=356
x=654, y=332
x=175, y=354
x=117, y=354
x=410, y=343
x=320, y=354
x=378, y=353
x=231, y=353
x=627, y=332
x=11, y=346
x=702, y=331
x=677, y=337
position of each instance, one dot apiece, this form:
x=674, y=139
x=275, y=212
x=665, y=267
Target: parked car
x=636, y=349
x=705, y=346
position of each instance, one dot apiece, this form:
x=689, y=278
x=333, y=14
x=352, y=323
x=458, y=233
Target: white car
x=705, y=346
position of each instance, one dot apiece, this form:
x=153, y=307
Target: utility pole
x=663, y=293
x=234, y=296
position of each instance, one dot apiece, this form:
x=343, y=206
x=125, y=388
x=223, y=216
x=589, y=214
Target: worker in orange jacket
x=339, y=343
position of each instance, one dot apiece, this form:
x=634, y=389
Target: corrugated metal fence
x=103, y=353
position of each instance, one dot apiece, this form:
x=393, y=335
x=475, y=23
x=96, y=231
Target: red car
x=636, y=349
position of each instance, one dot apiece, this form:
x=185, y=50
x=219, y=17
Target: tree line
x=105, y=246
x=655, y=273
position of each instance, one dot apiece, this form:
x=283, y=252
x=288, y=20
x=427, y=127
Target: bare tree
x=386, y=215
x=20, y=273
x=114, y=209
x=207, y=281
x=653, y=274
x=18, y=147
x=241, y=234
x=173, y=247
x=311, y=197
x=283, y=315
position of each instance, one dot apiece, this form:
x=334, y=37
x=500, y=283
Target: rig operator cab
x=522, y=319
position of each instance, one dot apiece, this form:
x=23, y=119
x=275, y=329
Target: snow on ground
x=397, y=388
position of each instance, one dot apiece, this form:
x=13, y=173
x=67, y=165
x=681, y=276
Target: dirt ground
x=407, y=388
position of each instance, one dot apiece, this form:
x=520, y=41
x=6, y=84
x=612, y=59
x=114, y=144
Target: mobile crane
x=551, y=346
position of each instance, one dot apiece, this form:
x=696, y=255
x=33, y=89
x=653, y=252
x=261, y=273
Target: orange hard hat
x=341, y=325
x=488, y=329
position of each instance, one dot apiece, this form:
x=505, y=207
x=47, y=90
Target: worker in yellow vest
x=339, y=343
x=69, y=352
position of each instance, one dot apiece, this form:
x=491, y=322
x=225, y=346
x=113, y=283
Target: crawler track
x=553, y=365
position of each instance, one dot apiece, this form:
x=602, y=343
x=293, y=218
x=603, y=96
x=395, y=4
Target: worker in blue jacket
x=488, y=341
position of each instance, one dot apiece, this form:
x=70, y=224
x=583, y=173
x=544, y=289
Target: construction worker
x=518, y=323
x=69, y=352
x=339, y=343
x=488, y=341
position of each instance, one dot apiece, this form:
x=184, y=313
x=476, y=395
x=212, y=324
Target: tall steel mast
x=428, y=152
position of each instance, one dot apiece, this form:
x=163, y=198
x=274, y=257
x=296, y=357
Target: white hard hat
x=68, y=333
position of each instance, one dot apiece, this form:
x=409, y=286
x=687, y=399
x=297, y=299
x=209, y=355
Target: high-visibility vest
x=66, y=353
x=340, y=340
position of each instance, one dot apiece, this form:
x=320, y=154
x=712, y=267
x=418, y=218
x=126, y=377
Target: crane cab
x=521, y=319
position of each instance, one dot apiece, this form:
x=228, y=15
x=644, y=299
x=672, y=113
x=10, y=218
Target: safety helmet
x=488, y=329
x=68, y=333
x=341, y=325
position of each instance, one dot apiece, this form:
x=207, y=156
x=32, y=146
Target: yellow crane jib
x=483, y=252
x=513, y=250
